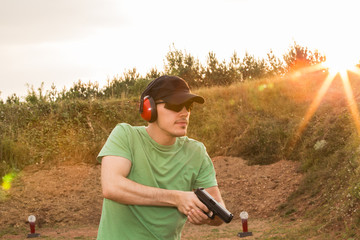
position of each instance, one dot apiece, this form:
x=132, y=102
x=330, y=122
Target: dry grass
x=257, y=120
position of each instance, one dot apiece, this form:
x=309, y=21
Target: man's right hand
x=188, y=201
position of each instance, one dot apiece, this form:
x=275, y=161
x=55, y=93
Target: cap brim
x=181, y=98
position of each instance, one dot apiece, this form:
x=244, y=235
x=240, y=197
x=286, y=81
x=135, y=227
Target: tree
x=32, y=97
x=153, y=74
x=183, y=65
x=234, y=68
x=122, y=86
x=13, y=99
x=216, y=73
x=275, y=65
x=252, y=68
x=1, y=101
x=299, y=57
x=81, y=90
x=53, y=94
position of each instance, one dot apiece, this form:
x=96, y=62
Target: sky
x=62, y=41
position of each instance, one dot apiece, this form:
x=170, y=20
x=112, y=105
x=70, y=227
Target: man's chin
x=180, y=133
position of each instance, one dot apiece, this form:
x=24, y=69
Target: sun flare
x=340, y=63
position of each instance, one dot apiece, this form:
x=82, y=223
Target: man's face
x=172, y=123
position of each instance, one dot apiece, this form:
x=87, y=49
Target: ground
x=66, y=199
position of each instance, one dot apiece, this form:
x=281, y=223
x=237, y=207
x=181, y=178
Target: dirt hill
x=68, y=196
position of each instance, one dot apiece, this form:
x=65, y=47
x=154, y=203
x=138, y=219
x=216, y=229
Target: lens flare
x=341, y=69
x=7, y=180
x=311, y=110
x=351, y=101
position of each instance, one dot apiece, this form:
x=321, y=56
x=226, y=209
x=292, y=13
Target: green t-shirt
x=185, y=166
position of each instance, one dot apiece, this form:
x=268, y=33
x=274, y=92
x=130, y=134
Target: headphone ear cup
x=149, y=112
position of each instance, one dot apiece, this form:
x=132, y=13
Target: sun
x=334, y=66
x=339, y=62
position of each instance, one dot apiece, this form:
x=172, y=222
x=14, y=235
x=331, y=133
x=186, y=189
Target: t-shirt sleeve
x=117, y=144
x=207, y=176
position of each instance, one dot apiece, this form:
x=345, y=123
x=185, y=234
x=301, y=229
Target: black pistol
x=215, y=207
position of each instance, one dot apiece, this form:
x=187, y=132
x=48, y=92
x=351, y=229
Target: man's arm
x=117, y=187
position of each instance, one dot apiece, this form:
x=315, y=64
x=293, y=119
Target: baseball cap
x=171, y=89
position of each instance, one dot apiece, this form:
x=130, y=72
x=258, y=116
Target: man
x=148, y=174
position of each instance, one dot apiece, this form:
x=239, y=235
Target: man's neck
x=159, y=136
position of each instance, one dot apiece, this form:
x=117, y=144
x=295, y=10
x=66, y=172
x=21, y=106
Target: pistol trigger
x=210, y=215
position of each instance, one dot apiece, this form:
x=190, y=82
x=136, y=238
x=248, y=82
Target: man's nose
x=184, y=111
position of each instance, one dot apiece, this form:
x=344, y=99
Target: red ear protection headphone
x=147, y=104
x=148, y=109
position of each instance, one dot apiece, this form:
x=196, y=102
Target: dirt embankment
x=68, y=196
x=259, y=190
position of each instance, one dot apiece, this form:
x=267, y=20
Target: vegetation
x=183, y=64
x=253, y=110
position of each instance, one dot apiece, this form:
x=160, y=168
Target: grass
x=257, y=120
x=49, y=233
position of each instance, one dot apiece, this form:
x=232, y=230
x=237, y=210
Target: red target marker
x=32, y=220
x=244, y=221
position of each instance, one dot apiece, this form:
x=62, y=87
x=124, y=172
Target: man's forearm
x=129, y=192
x=117, y=187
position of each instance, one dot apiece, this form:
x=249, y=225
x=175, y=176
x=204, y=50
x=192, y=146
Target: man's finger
x=196, y=215
x=201, y=205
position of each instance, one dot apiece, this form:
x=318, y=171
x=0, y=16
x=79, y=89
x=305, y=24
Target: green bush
x=13, y=155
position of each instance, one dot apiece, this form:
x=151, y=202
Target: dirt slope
x=69, y=196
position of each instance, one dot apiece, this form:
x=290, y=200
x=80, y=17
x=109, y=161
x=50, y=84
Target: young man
x=148, y=174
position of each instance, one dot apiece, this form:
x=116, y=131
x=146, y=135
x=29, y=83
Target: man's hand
x=216, y=221
x=198, y=217
x=189, y=204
